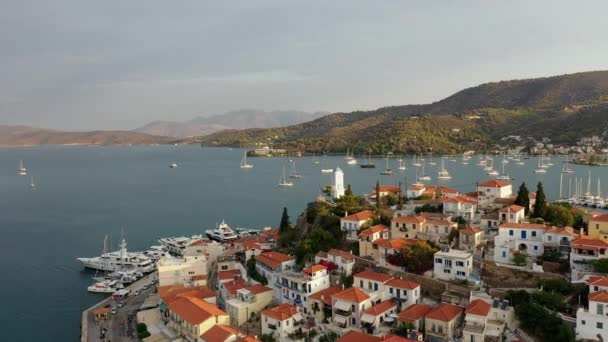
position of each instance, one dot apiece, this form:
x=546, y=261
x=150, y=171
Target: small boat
x=542, y=164
x=352, y=162
x=503, y=174
x=293, y=173
x=388, y=171
x=443, y=173
x=32, y=185
x=423, y=176
x=431, y=162
x=223, y=233
x=327, y=170
x=566, y=168
x=314, y=159
x=348, y=155
x=105, y=286
x=493, y=173
x=541, y=169
x=244, y=164
x=416, y=161
x=173, y=166
x=368, y=164
x=401, y=164
x=22, y=170
x=283, y=180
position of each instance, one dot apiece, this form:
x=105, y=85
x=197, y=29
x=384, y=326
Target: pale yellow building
x=598, y=227
x=190, y=270
x=249, y=301
x=443, y=323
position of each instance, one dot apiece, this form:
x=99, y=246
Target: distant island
x=559, y=109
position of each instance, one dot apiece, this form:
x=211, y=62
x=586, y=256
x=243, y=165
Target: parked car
x=113, y=312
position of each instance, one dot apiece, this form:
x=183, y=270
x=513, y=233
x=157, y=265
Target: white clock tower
x=337, y=183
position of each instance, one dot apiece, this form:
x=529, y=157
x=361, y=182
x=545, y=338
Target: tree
x=377, y=196
x=599, y=265
x=285, y=224
x=541, y=202
x=523, y=197
x=454, y=233
x=520, y=258
x=416, y=258
x=329, y=337
x=349, y=191
x=558, y=215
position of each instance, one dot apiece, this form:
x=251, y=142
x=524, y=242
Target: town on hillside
x=422, y=263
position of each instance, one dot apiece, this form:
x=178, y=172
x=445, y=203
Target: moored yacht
x=105, y=286
x=176, y=245
x=120, y=260
x=223, y=233
x=22, y=170
x=155, y=252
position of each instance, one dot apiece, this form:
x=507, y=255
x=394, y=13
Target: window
x=535, y=248
x=375, y=286
x=361, y=283
x=353, y=308
x=549, y=237
x=390, y=290
x=460, y=263
x=398, y=293
x=524, y=234
x=583, y=322
x=369, y=285
x=438, y=261
x=287, y=322
x=504, y=254
x=510, y=232
x=600, y=309
x=599, y=325
x=596, y=288
x=533, y=234
x=354, y=321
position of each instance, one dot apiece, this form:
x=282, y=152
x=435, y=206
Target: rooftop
x=273, y=259
x=353, y=295
x=360, y=216
x=374, y=229
x=408, y=219
x=470, y=231
x=403, y=284
x=445, y=312
x=219, y=333
x=523, y=225
x=454, y=253
x=381, y=308
x=494, y=183
x=344, y=254
x=375, y=276
x=171, y=292
x=599, y=296
x=600, y=218
x=281, y=312
x=478, y=307
x=194, y=310
x=414, y=312
x=326, y=294
x=512, y=208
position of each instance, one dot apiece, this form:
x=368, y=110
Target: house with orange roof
x=460, y=206
x=453, y=264
x=356, y=336
x=487, y=318
x=414, y=314
x=351, y=224
x=169, y=293
x=229, y=275
x=282, y=321
x=373, y=283
x=221, y=333
x=515, y=238
x=469, y=238
x=295, y=287
x=348, y=305
x=559, y=239
x=212, y=250
x=248, y=301
x=404, y=292
x=443, y=323
x=407, y=227
x=512, y=214
x=344, y=261
x=597, y=283
x=368, y=236
x=492, y=189
x=437, y=230
x=228, y=290
x=415, y=191
x=584, y=250
x=271, y=264
x=191, y=317
x=592, y=321
x=319, y=303
x=380, y=314
x=598, y=227
x=181, y=271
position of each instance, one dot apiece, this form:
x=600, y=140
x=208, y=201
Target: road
x=118, y=325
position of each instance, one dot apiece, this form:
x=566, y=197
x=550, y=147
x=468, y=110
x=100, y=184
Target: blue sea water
x=85, y=193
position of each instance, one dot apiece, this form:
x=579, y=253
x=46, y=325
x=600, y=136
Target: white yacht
x=283, y=180
x=443, y=173
x=423, y=176
x=155, y=252
x=176, y=245
x=327, y=170
x=32, y=185
x=120, y=260
x=223, y=233
x=401, y=164
x=173, y=166
x=105, y=286
x=244, y=164
x=293, y=173
x=22, y=170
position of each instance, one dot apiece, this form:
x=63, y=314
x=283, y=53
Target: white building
x=487, y=318
x=373, y=283
x=460, y=206
x=352, y=223
x=584, y=250
x=191, y=270
x=404, y=292
x=296, y=287
x=282, y=321
x=490, y=190
x=518, y=238
x=453, y=265
x=271, y=264
x=592, y=322
x=347, y=307
x=512, y=214
x=337, y=183
x=415, y=191
x=345, y=261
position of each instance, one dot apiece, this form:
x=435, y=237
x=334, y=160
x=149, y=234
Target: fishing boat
x=388, y=171
x=293, y=173
x=22, y=170
x=283, y=180
x=368, y=164
x=244, y=164
x=32, y=185
x=443, y=173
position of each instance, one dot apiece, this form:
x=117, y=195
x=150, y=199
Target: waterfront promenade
x=116, y=325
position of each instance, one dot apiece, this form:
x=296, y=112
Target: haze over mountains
x=239, y=119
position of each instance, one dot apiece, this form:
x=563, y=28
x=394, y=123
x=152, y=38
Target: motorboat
x=223, y=233
x=119, y=260
x=327, y=170
x=176, y=245
x=173, y=166
x=156, y=252
x=241, y=232
x=105, y=286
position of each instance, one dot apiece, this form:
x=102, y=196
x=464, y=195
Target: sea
x=86, y=193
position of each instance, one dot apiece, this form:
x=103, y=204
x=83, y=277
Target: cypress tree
x=378, y=197
x=285, y=224
x=523, y=197
x=541, y=202
x=349, y=191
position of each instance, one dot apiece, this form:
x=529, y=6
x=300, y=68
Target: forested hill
x=563, y=108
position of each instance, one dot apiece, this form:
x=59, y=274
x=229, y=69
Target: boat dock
x=91, y=329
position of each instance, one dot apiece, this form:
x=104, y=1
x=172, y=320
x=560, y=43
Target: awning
x=339, y=319
x=344, y=306
x=367, y=318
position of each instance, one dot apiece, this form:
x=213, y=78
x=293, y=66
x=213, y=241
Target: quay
x=90, y=330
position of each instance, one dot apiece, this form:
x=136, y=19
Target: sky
x=115, y=64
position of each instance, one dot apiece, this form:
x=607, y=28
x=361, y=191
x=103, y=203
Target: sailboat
x=543, y=165
x=388, y=171
x=22, y=170
x=293, y=173
x=283, y=180
x=465, y=159
x=401, y=164
x=416, y=161
x=503, y=173
x=489, y=165
x=368, y=164
x=540, y=168
x=423, y=176
x=431, y=162
x=492, y=171
x=244, y=164
x=32, y=185
x=443, y=173
x=350, y=158
x=566, y=168
x=314, y=159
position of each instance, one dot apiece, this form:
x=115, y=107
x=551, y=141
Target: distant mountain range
x=563, y=108
x=240, y=119
x=30, y=136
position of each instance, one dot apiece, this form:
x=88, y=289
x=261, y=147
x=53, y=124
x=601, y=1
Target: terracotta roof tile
x=171, y=292
x=355, y=336
x=326, y=294
x=600, y=218
x=219, y=333
x=232, y=286
x=314, y=268
x=445, y=312
x=281, y=312
x=343, y=254
x=408, y=219
x=374, y=229
x=387, y=188
x=381, y=307
x=598, y=281
x=587, y=241
x=493, y=183
x=403, y=284
x=194, y=310
x=514, y=208
x=478, y=307
x=257, y=288
x=229, y=274
x=353, y=295
x=248, y=339
x=414, y=312
x=273, y=259
x=397, y=243
x=360, y=216
x=375, y=276
x=523, y=225
x=599, y=296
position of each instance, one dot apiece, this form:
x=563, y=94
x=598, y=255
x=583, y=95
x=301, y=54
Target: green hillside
x=563, y=108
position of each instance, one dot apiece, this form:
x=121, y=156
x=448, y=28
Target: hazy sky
x=119, y=64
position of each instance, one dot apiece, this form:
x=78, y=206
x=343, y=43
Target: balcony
x=272, y=326
x=343, y=313
x=473, y=329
